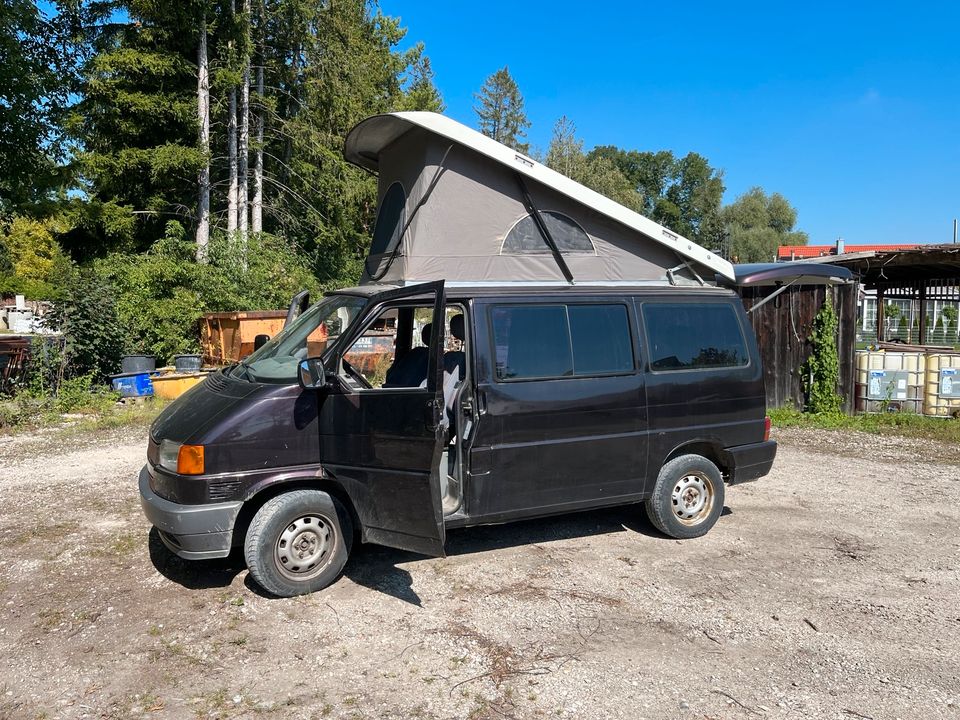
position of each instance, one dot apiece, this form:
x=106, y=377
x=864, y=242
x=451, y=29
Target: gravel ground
x=827, y=590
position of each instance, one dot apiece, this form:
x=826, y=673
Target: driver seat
x=411, y=369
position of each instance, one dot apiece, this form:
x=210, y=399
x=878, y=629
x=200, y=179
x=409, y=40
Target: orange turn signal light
x=190, y=460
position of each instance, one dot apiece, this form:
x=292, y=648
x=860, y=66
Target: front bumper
x=194, y=532
x=750, y=462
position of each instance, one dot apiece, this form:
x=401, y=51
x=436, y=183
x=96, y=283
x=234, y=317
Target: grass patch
x=909, y=425
x=25, y=414
x=44, y=533
x=120, y=546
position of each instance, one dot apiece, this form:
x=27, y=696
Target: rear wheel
x=688, y=497
x=298, y=542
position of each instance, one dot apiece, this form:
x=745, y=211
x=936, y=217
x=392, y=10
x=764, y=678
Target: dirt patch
x=827, y=590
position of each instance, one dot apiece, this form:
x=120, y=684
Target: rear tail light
x=766, y=428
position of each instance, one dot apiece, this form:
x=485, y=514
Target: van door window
x=393, y=351
x=693, y=336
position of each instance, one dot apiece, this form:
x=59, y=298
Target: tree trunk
x=203, y=116
x=244, y=156
x=243, y=211
x=256, y=212
x=232, y=158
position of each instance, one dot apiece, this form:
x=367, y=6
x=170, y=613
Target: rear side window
x=693, y=336
x=556, y=341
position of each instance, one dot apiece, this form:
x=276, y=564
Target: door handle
x=432, y=413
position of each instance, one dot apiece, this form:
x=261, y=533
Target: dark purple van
x=430, y=407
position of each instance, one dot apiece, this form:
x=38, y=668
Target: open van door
x=383, y=444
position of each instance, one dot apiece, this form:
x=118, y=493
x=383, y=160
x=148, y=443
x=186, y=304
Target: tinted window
x=525, y=239
x=386, y=231
x=694, y=335
x=601, y=339
x=531, y=342
x=535, y=341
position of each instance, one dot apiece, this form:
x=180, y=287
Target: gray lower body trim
x=194, y=532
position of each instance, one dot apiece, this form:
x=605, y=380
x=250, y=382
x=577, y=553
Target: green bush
x=87, y=317
x=81, y=394
x=162, y=294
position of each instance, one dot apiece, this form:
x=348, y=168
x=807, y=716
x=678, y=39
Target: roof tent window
x=525, y=239
x=387, y=230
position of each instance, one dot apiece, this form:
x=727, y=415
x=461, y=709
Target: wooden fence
x=783, y=326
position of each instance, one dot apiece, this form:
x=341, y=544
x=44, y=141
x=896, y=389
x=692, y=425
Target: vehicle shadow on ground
x=195, y=574
x=376, y=567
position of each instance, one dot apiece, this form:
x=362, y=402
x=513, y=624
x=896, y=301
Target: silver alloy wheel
x=305, y=547
x=692, y=498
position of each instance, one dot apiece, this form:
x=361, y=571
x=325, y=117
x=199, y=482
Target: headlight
x=180, y=458
x=169, y=451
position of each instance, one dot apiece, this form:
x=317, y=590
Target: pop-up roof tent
x=459, y=206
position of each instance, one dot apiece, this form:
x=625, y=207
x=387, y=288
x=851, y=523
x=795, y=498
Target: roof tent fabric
x=452, y=207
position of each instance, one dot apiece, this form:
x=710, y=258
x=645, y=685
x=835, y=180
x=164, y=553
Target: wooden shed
x=783, y=326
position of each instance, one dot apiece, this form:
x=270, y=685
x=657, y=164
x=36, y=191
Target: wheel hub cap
x=692, y=499
x=304, y=547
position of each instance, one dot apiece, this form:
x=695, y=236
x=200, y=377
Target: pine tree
x=137, y=124
x=317, y=69
x=500, y=112
x=420, y=91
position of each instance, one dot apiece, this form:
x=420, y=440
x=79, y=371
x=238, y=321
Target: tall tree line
x=225, y=116
x=683, y=193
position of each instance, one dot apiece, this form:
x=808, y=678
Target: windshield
x=308, y=336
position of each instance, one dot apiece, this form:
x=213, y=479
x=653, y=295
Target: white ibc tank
x=942, y=387
x=890, y=381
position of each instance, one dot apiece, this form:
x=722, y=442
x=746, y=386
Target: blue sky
x=851, y=110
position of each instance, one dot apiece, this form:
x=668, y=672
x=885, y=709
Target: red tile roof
x=785, y=252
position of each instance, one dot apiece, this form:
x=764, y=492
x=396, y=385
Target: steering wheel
x=356, y=375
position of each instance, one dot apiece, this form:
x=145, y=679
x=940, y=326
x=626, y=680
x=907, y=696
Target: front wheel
x=298, y=542
x=688, y=497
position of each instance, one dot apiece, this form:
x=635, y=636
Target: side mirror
x=312, y=375
x=260, y=340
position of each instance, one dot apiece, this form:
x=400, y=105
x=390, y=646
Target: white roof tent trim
x=373, y=145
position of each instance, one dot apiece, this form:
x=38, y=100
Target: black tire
x=298, y=542
x=688, y=497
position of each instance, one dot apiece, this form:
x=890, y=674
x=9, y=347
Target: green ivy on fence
x=822, y=369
